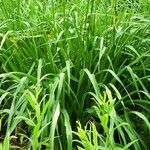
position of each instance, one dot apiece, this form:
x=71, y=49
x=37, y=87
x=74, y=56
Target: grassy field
x=75, y=74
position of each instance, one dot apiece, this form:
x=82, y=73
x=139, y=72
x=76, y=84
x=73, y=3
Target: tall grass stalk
x=74, y=74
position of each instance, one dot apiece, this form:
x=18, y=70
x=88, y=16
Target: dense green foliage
x=75, y=74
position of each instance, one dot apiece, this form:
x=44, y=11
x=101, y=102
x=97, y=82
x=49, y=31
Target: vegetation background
x=75, y=74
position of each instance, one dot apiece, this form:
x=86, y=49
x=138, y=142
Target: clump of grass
x=76, y=61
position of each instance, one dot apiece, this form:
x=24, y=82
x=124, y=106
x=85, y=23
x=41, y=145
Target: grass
x=74, y=75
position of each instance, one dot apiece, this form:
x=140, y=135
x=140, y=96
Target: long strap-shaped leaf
x=53, y=125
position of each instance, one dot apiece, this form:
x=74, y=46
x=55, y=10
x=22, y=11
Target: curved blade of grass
x=60, y=85
x=129, y=144
x=3, y=96
x=28, y=121
x=140, y=115
x=118, y=79
x=134, y=80
x=68, y=129
x=53, y=125
x=94, y=82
